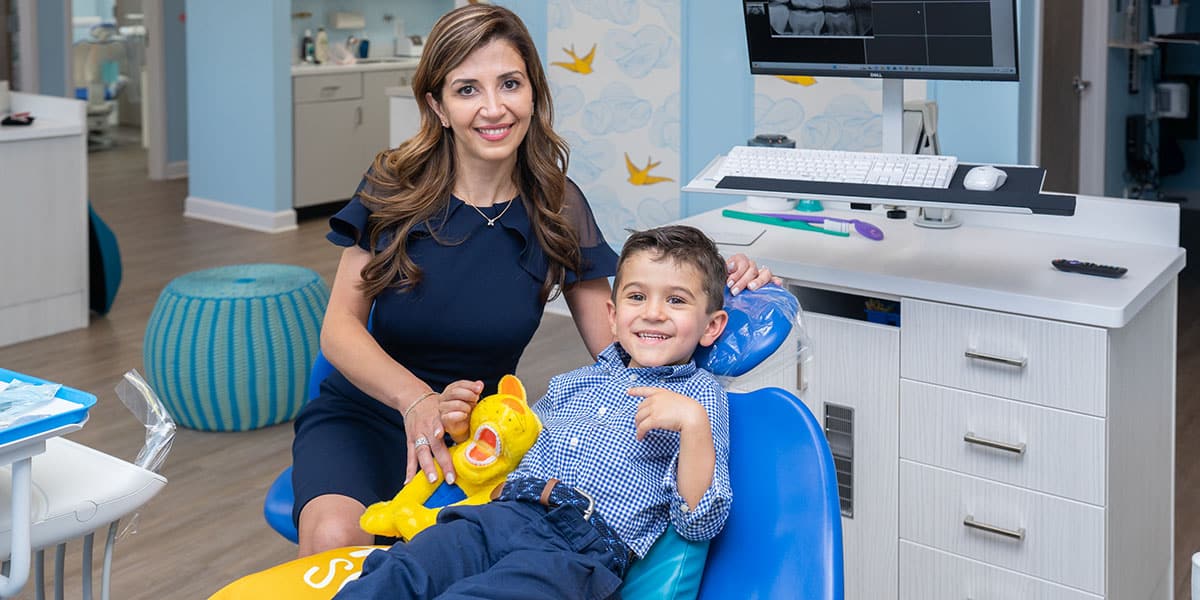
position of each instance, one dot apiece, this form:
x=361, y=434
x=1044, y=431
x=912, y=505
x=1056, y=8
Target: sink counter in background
x=371, y=64
x=339, y=123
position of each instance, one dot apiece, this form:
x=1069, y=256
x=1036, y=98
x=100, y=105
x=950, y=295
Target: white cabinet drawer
x=929, y=574
x=406, y=77
x=1060, y=540
x=1024, y=358
x=322, y=88
x=1047, y=449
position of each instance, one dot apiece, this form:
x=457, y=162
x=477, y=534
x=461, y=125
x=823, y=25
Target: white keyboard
x=835, y=166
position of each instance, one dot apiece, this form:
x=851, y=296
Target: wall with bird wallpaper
x=617, y=75
x=614, y=73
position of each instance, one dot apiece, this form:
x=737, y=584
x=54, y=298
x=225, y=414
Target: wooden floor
x=206, y=527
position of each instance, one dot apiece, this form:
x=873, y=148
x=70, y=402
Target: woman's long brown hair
x=412, y=183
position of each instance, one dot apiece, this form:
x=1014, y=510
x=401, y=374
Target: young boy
x=633, y=444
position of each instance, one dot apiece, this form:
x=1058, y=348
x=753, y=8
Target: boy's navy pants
x=501, y=550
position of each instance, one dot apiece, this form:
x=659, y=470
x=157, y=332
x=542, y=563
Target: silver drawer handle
x=1018, y=534
x=971, y=438
x=1004, y=360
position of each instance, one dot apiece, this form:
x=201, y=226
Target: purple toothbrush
x=864, y=228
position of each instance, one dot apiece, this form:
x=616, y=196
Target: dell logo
x=876, y=75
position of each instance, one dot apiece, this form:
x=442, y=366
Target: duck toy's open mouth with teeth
x=484, y=447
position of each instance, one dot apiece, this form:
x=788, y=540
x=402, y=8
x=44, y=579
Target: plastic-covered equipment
x=759, y=323
x=69, y=476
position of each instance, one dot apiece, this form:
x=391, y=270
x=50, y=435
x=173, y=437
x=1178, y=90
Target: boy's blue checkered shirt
x=589, y=441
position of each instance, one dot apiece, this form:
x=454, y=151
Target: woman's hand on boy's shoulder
x=744, y=274
x=663, y=409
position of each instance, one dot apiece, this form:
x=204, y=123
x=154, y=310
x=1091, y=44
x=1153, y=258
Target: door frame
x=154, y=94
x=1093, y=66
x=27, y=46
x=69, y=52
x=29, y=61
x=6, y=59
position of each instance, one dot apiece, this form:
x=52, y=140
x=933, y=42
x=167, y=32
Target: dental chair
x=783, y=538
x=97, y=63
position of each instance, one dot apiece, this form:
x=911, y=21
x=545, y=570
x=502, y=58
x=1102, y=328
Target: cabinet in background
x=1013, y=434
x=44, y=228
x=999, y=451
x=339, y=124
x=852, y=389
x=375, y=107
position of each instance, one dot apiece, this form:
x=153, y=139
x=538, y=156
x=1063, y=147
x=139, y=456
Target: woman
x=453, y=244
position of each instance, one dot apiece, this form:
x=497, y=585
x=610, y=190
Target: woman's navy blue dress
x=470, y=317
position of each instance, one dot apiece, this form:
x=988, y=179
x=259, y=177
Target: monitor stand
x=893, y=135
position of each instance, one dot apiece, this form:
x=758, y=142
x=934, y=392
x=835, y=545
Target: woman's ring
x=421, y=441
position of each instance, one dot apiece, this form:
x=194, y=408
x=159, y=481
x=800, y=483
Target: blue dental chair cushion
x=759, y=321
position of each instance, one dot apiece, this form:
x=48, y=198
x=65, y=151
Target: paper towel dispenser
x=347, y=20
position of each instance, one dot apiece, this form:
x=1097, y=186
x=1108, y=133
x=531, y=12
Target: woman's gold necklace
x=491, y=222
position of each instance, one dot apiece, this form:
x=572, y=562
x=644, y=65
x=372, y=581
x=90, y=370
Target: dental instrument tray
x=69, y=407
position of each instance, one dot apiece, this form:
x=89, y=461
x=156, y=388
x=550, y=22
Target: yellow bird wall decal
x=583, y=66
x=642, y=176
x=803, y=80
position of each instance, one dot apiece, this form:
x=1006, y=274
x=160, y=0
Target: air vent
x=839, y=430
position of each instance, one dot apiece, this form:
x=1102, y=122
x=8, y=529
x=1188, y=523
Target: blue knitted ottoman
x=230, y=348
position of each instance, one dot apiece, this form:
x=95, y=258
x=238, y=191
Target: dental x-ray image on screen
x=887, y=39
x=823, y=18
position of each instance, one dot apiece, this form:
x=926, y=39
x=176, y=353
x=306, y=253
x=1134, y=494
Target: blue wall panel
x=239, y=103
x=533, y=14
x=717, y=109
x=978, y=121
x=176, y=84
x=52, y=20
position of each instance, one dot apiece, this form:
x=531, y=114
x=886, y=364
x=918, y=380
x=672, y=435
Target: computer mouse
x=984, y=178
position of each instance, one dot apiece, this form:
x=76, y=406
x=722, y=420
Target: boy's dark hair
x=684, y=245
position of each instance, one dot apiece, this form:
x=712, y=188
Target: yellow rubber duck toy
x=503, y=429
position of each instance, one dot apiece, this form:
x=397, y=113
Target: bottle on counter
x=307, y=47
x=322, y=49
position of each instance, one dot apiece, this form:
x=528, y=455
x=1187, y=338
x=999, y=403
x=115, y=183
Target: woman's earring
x=445, y=125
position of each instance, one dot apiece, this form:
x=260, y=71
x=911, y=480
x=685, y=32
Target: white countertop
x=52, y=117
x=399, y=63
x=995, y=268
x=42, y=127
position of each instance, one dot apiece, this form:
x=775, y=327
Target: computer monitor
x=890, y=40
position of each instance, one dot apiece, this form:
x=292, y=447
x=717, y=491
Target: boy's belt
x=553, y=493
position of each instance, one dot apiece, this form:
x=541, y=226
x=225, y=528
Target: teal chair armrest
x=671, y=570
